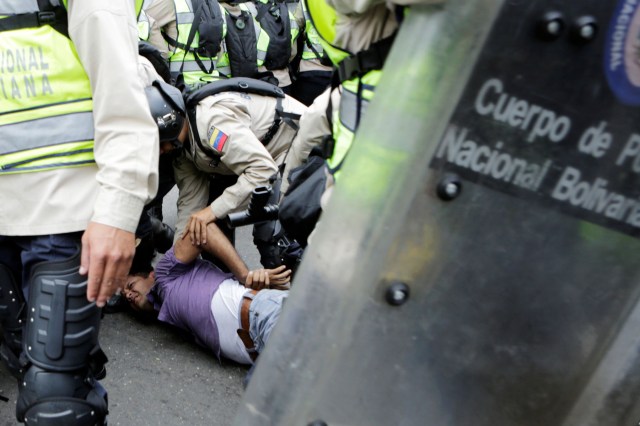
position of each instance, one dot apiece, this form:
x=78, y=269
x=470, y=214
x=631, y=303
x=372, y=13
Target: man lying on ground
x=231, y=314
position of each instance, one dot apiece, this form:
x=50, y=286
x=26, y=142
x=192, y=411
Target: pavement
x=154, y=375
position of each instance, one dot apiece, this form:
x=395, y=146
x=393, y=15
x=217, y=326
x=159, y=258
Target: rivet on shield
x=397, y=293
x=551, y=26
x=449, y=187
x=584, y=29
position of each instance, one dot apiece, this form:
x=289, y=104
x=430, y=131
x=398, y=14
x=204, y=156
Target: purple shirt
x=182, y=294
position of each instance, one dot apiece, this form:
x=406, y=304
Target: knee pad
x=60, y=399
x=12, y=310
x=61, y=343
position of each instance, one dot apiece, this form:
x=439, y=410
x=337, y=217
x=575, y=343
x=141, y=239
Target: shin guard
x=61, y=343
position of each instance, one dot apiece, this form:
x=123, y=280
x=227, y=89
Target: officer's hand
x=107, y=253
x=268, y=278
x=197, y=226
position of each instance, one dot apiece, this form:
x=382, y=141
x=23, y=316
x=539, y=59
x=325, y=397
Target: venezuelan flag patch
x=217, y=138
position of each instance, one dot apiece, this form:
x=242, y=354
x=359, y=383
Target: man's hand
x=197, y=226
x=268, y=278
x=107, y=253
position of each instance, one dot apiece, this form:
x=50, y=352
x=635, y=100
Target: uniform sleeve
x=193, y=191
x=126, y=138
x=242, y=153
x=162, y=17
x=314, y=125
x=356, y=7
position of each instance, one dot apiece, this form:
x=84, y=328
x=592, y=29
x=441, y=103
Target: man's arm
x=193, y=192
x=216, y=244
x=220, y=247
x=125, y=140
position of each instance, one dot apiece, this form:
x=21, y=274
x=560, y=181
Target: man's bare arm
x=218, y=245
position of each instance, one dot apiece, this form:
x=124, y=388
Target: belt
x=243, y=332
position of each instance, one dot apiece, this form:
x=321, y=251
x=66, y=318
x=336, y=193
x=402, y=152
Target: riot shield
x=478, y=261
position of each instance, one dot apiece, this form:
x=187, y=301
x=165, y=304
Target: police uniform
x=65, y=161
x=357, y=42
x=167, y=25
x=358, y=25
x=314, y=69
x=233, y=125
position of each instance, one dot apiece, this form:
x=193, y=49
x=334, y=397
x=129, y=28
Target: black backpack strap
x=234, y=84
x=366, y=60
x=49, y=14
x=289, y=118
x=198, y=7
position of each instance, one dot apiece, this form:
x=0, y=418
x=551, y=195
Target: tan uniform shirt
x=125, y=176
x=162, y=17
x=242, y=120
x=362, y=22
x=314, y=125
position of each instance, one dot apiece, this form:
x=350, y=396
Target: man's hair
x=143, y=257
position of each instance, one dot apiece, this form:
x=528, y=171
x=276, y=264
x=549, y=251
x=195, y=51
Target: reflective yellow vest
x=195, y=69
x=312, y=48
x=357, y=92
x=46, y=118
x=144, y=26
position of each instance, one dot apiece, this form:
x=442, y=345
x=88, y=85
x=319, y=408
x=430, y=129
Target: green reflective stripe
x=188, y=66
x=193, y=66
x=314, y=39
x=144, y=29
x=344, y=117
x=46, y=120
x=312, y=36
x=138, y=5
x=348, y=109
x=50, y=157
x=180, y=59
x=11, y=7
x=343, y=138
x=184, y=18
x=31, y=135
x=224, y=70
x=84, y=105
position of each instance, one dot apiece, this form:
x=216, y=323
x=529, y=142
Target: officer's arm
x=162, y=18
x=244, y=155
x=356, y=7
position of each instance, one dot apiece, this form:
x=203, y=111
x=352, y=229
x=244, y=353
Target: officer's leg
x=61, y=343
x=12, y=310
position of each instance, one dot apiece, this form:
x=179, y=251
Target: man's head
x=136, y=290
x=168, y=111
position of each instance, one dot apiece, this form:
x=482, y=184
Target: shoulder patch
x=217, y=138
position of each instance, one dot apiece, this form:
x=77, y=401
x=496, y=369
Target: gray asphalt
x=154, y=375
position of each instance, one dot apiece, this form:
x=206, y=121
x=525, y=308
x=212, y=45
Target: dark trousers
x=309, y=85
x=20, y=254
